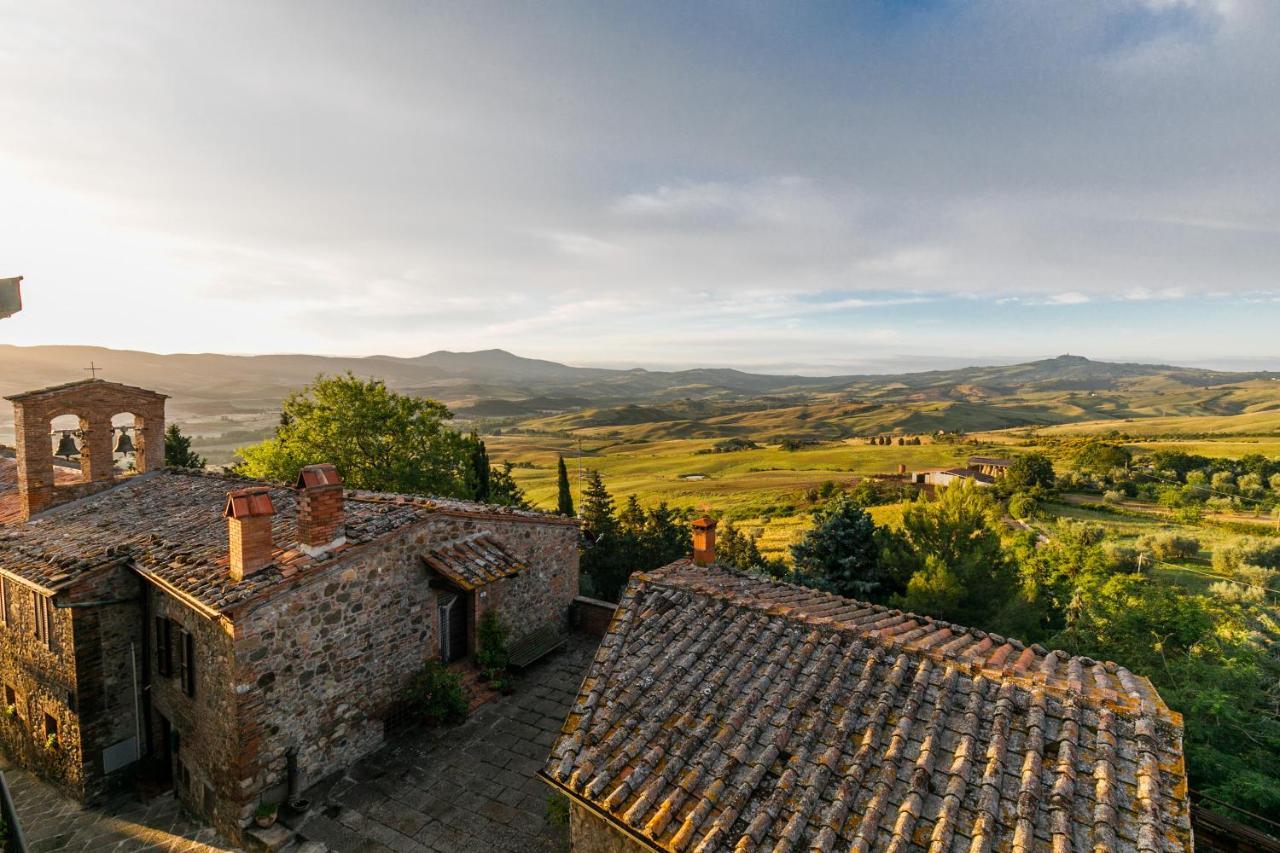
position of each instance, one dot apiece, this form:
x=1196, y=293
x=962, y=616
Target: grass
x=761, y=490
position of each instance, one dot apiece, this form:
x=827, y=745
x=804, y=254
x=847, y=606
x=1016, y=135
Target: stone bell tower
x=94, y=402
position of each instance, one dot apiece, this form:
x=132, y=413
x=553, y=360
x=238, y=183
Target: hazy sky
x=784, y=185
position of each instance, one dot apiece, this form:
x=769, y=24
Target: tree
x=1031, y=471
x=962, y=573
x=177, y=449
x=841, y=552
x=597, y=507
x=477, y=474
x=564, y=496
x=1097, y=457
x=377, y=439
x=632, y=517
x=503, y=488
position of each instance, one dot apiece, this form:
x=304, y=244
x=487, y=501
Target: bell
x=67, y=446
x=125, y=444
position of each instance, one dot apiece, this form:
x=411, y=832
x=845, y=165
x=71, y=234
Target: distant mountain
x=497, y=383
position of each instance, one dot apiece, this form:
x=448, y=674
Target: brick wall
x=593, y=616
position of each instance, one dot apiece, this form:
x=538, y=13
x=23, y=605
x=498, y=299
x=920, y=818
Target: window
x=10, y=699
x=164, y=646
x=42, y=611
x=186, y=661
x=50, y=726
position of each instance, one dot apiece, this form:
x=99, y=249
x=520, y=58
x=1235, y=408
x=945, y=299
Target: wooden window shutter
x=4, y=602
x=187, y=654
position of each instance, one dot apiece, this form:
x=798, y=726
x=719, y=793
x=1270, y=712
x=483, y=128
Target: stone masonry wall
x=43, y=682
x=318, y=667
x=108, y=648
x=205, y=723
x=540, y=594
x=590, y=833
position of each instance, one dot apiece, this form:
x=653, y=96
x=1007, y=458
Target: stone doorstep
x=269, y=840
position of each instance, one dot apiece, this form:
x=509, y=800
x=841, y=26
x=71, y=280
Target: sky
x=802, y=187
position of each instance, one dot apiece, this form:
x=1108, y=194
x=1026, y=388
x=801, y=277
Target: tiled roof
x=83, y=383
x=990, y=460
x=473, y=562
x=10, y=506
x=170, y=525
x=727, y=712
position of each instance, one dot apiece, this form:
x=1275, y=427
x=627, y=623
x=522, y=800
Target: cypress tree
x=564, y=502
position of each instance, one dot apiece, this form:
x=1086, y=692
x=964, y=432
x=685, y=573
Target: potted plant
x=11, y=711
x=266, y=814
x=51, y=742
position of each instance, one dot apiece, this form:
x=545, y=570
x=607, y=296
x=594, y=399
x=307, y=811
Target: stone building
x=236, y=639
x=992, y=466
x=726, y=712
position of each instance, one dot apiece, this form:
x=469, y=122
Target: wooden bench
x=534, y=646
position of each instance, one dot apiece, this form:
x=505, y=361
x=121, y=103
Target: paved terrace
x=466, y=788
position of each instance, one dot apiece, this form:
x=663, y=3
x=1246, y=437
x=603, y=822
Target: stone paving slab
x=51, y=822
x=464, y=788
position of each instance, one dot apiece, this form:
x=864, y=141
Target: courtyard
x=471, y=787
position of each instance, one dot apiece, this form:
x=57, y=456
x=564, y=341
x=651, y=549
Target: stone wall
x=44, y=682
x=543, y=592
x=109, y=665
x=208, y=740
x=590, y=833
x=318, y=667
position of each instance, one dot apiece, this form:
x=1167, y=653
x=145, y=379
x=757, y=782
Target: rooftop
x=725, y=711
x=10, y=506
x=169, y=525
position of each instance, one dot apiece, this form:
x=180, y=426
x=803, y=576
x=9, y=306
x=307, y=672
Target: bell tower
x=94, y=402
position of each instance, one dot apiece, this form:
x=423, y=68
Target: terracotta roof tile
x=473, y=562
x=728, y=712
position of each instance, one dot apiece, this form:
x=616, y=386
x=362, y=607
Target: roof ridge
x=1108, y=684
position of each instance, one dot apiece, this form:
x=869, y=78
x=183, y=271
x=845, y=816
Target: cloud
x=408, y=177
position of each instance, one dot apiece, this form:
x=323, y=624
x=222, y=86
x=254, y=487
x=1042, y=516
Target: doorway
x=453, y=608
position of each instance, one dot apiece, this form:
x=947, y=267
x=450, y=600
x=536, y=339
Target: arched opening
x=128, y=433
x=66, y=438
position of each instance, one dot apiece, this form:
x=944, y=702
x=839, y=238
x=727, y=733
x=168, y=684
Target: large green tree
x=1029, y=472
x=842, y=553
x=377, y=439
x=959, y=568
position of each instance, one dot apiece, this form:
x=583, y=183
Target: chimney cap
x=316, y=476
x=252, y=502
x=705, y=522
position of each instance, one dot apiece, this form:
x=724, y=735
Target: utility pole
x=579, y=476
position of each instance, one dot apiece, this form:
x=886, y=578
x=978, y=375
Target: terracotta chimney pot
x=249, y=513
x=704, y=541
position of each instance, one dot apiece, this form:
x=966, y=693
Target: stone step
x=269, y=840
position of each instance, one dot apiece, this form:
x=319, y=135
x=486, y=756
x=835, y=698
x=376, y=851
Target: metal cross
x=92, y=370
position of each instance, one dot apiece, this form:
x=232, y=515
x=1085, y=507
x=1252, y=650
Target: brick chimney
x=320, y=521
x=704, y=541
x=249, y=513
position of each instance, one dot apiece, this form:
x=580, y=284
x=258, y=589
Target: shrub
x=492, y=657
x=1170, y=546
x=435, y=695
x=1125, y=558
x=1022, y=506
x=1247, y=551
x=1113, y=496
x=558, y=809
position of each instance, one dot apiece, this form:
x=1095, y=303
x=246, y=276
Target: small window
x=50, y=726
x=42, y=617
x=164, y=646
x=187, y=661
x=10, y=699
